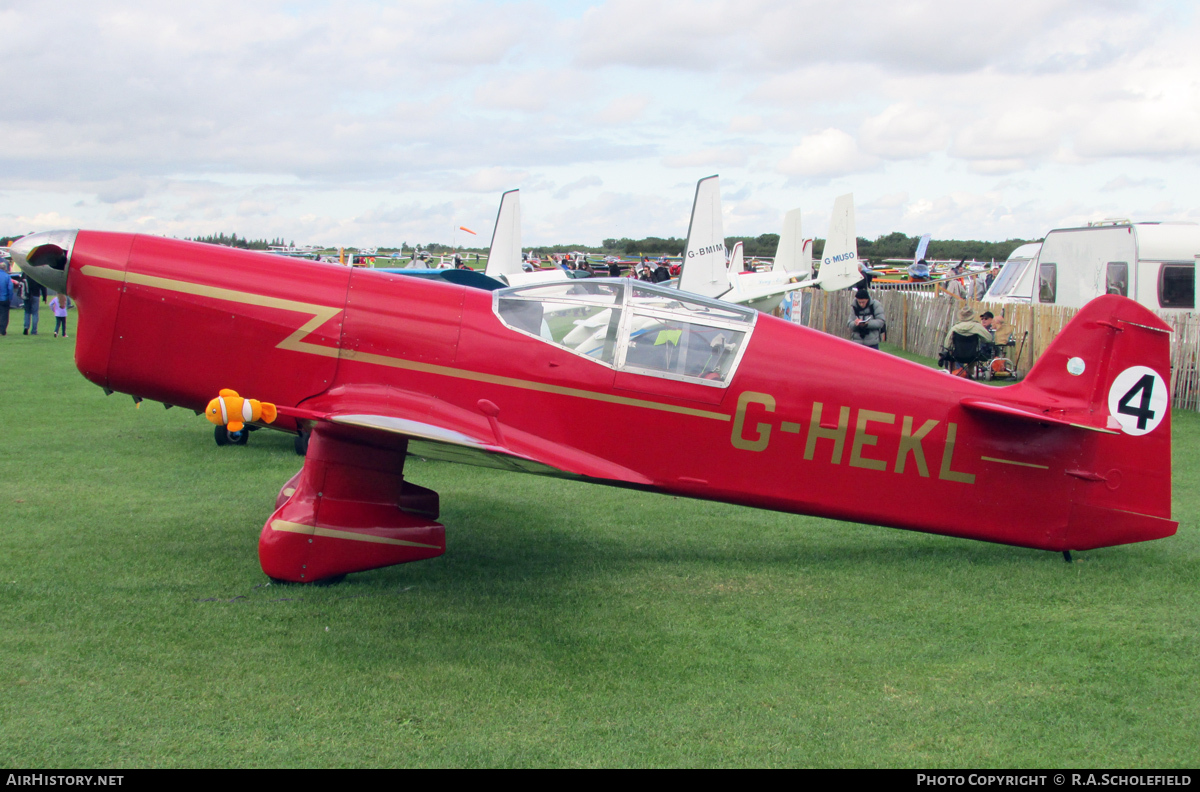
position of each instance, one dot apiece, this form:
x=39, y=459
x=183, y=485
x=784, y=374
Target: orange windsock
x=469, y=231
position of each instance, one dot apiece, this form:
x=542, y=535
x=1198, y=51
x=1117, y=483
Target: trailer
x=1152, y=263
x=1007, y=286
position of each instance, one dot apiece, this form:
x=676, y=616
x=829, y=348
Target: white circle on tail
x=1076, y=366
x=1138, y=400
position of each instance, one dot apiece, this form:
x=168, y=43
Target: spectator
x=6, y=295
x=868, y=275
x=868, y=321
x=955, y=285
x=59, y=305
x=34, y=292
x=968, y=325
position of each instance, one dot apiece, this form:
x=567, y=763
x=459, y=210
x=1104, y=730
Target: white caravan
x=1010, y=284
x=1152, y=263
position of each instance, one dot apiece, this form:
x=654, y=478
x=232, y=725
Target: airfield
x=567, y=624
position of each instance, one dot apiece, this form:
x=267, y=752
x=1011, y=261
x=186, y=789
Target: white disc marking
x=1138, y=400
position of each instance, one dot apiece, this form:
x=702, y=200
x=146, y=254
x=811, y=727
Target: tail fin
x=737, y=263
x=504, y=258
x=705, y=270
x=922, y=246
x=789, y=255
x=1109, y=371
x=839, y=263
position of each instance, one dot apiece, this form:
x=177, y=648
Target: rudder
x=1109, y=371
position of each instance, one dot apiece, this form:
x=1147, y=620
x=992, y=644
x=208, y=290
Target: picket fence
x=917, y=322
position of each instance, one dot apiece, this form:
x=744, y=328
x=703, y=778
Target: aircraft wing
x=435, y=430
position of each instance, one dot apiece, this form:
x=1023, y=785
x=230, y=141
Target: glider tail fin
x=504, y=257
x=922, y=246
x=839, y=262
x=790, y=254
x=1109, y=371
x=705, y=269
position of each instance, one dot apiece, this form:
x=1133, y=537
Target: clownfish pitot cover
x=233, y=412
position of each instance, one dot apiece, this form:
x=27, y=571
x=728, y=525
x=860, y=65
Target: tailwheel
x=224, y=437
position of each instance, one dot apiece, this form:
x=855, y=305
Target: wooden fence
x=917, y=322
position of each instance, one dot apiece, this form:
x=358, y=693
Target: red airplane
x=679, y=395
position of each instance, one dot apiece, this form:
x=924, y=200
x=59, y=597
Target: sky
x=376, y=123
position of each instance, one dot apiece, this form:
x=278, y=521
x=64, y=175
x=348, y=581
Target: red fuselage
x=808, y=423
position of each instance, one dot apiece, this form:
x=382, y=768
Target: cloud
x=579, y=184
x=622, y=109
x=934, y=36
x=903, y=131
x=825, y=155
x=492, y=180
x=746, y=124
x=1123, y=182
x=534, y=90
x=708, y=158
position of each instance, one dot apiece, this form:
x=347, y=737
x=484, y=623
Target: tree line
x=894, y=245
x=233, y=240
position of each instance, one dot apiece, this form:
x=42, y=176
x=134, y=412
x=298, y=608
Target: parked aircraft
x=688, y=396
x=504, y=258
x=706, y=268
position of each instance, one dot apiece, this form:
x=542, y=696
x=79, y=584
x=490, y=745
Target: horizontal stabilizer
x=1023, y=414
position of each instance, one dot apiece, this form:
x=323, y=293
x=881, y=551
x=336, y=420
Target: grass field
x=567, y=625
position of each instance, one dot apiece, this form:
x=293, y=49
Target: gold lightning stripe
x=495, y=379
x=320, y=313
x=333, y=533
x=323, y=313
x=1014, y=462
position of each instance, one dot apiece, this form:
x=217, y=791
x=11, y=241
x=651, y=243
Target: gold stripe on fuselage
x=323, y=313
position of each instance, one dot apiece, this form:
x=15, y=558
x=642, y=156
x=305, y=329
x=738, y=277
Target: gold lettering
x=861, y=438
x=817, y=432
x=946, y=473
x=739, y=421
x=910, y=442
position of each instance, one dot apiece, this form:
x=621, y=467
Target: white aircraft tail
x=793, y=255
x=922, y=246
x=504, y=258
x=839, y=263
x=737, y=262
x=704, y=265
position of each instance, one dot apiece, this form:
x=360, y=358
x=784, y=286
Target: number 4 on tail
x=1138, y=400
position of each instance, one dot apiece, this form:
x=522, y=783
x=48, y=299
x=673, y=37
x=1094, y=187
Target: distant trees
x=894, y=245
x=233, y=240
x=901, y=246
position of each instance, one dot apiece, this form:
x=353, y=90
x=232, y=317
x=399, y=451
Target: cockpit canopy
x=633, y=326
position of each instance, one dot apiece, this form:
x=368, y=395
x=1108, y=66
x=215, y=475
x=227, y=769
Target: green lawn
x=567, y=625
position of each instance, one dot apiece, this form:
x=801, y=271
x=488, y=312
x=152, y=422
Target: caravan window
x=1047, y=282
x=1008, y=279
x=1117, y=279
x=1177, y=286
